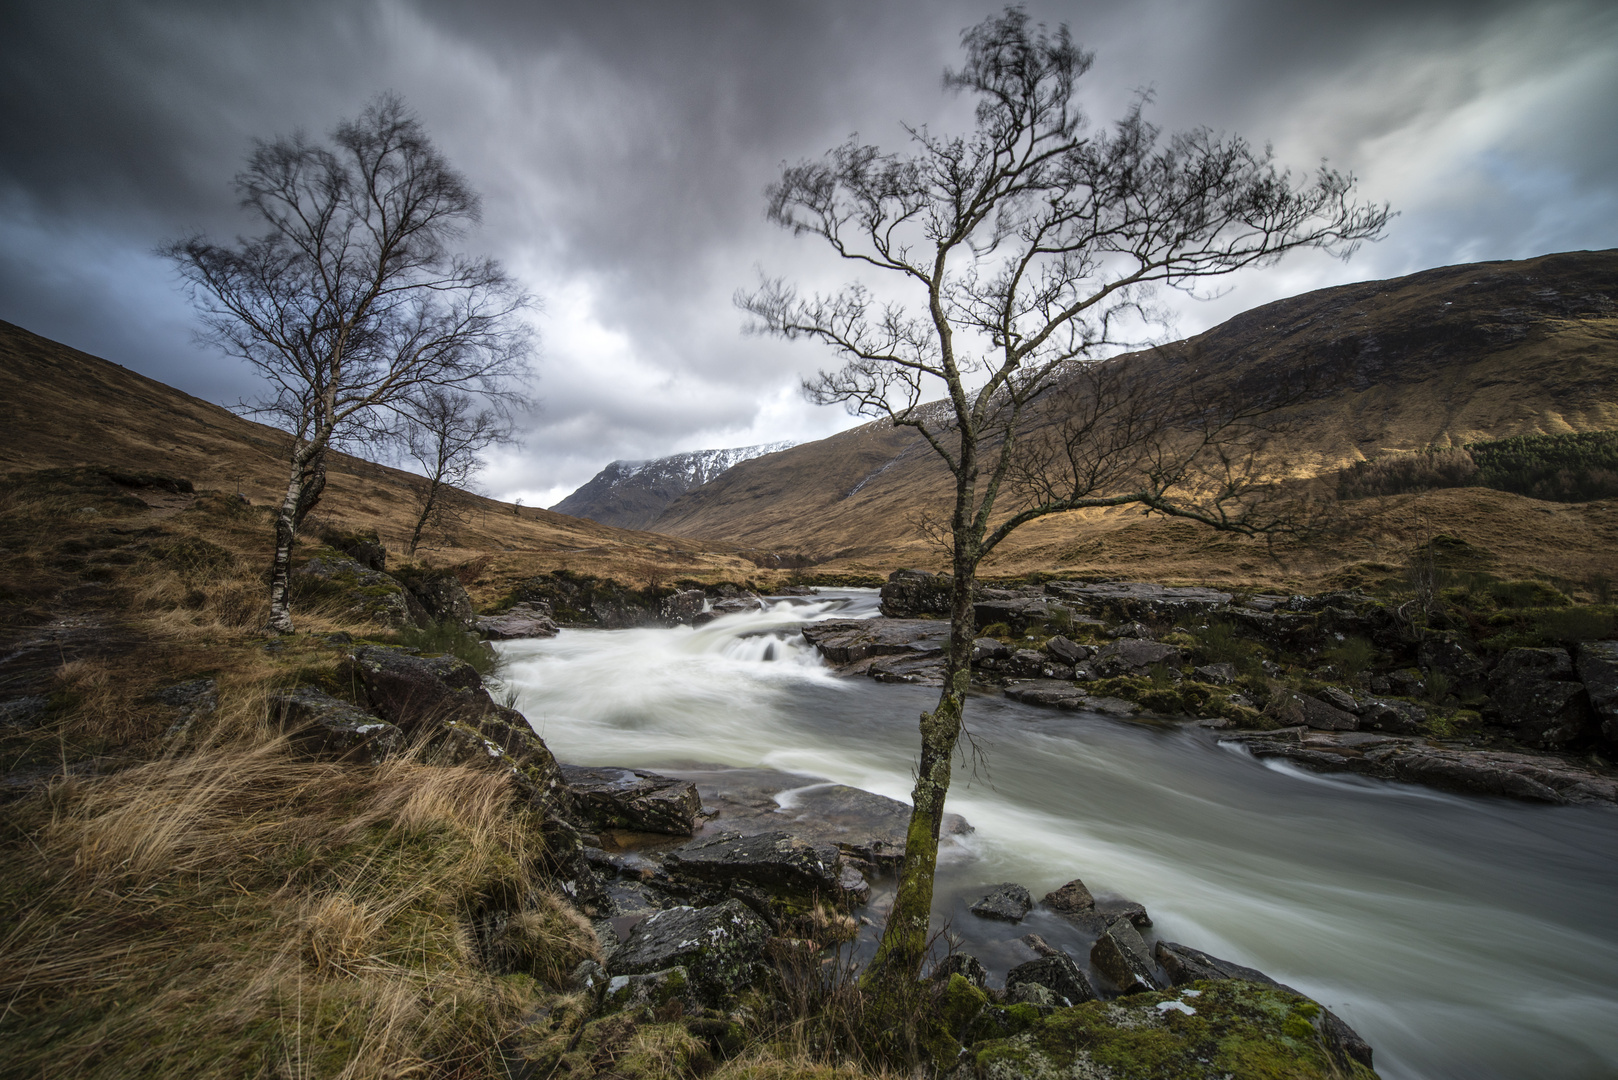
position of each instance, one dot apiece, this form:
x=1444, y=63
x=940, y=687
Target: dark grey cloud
x=622, y=149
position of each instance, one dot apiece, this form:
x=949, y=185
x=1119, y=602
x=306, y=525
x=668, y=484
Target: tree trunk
x=894, y=970
x=428, y=505
x=307, y=461
x=312, y=482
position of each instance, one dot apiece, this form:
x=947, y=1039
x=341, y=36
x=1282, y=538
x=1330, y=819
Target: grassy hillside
x=61, y=407
x=1440, y=358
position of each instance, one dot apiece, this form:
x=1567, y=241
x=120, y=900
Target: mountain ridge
x=632, y=494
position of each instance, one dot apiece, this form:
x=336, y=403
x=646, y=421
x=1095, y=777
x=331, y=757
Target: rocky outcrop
x=442, y=700
x=327, y=727
x=1537, y=777
x=444, y=599
x=529, y=619
x=1535, y=693
x=1058, y=973
x=609, y=798
x=1133, y=656
x=1138, y=599
x=683, y=608
x=1120, y=954
x=909, y=593
x=782, y=871
x=720, y=947
x=369, y=594
x=582, y=600
x=1061, y=694
x=1288, y=707
x=848, y=641
x=1598, y=670
x=1008, y=902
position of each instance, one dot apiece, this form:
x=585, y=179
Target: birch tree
x=350, y=300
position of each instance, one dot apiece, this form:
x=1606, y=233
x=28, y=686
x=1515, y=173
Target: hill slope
x=632, y=494
x=62, y=407
x=1437, y=358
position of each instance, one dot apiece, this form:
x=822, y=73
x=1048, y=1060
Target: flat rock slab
x=528, y=620
x=866, y=827
x=847, y=641
x=777, y=863
x=1060, y=694
x=616, y=798
x=1008, y=902
x=1537, y=777
x=1131, y=597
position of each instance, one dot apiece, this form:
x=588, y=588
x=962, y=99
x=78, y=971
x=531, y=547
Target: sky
x=622, y=150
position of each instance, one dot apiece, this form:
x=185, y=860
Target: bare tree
x=1029, y=247
x=445, y=431
x=351, y=299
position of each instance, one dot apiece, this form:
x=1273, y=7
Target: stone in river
x=1121, y=955
x=780, y=865
x=1072, y=898
x=965, y=965
x=1059, y=974
x=614, y=798
x=1008, y=902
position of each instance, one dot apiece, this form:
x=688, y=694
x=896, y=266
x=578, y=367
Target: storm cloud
x=622, y=150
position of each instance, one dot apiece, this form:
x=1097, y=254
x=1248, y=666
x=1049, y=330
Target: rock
x=1138, y=600
x=1447, y=653
x=610, y=798
x=582, y=600
x=1131, y=656
x=370, y=594
x=443, y=699
x=1064, y=651
x=847, y=641
x=1040, y=945
x=909, y=593
x=193, y=700
x=327, y=727
x=1121, y=955
x=1074, y=898
x=988, y=648
x=364, y=548
x=719, y=947
x=790, y=871
x=1399, y=717
x=965, y=965
x=1125, y=909
x=1534, y=693
x=736, y=605
x=1218, y=674
x=445, y=600
x=1186, y=966
x=530, y=619
x=650, y=991
x=1340, y=699
x=1598, y=670
x=1017, y=613
x=682, y=608
x=922, y=670
x=1134, y=630
x=1223, y=1030
x=1038, y=995
x=1058, y=693
x=1008, y=902
x=1027, y=662
x=1059, y=974
x=1288, y=707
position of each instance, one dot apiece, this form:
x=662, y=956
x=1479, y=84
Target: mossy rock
x=1207, y=1031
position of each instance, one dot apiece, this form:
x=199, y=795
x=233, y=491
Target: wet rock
x=789, y=870
x=847, y=641
x=613, y=798
x=370, y=594
x=908, y=593
x=1059, y=974
x=1121, y=955
x=327, y=727
x=650, y=991
x=921, y=671
x=1535, y=693
x=965, y=965
x=682, y=608
x=1132, y=656
x=443, y=699
x=1040, y=945
x=1061, y=694
x=1074, y=898
x=445, y=600
x=1008, y=902
x=988, y=648
x=1118, y=908
x=1290, y=708
x=1598, y=670
x=720, y=948
x=1218, y=674
x=1186, y=965
x=736, y=605
x=530, y=619
x=1065, y=651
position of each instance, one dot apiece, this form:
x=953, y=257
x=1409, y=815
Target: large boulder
x=720, y=947
x=779, y=871
x=848, y=641
x=909, y=593
x=328, y=727
x=1289, y=708
x=1059, y=974
x=1008, y=902
x=1017, y=613
x=529, y=619
x=1066, y=651
x=442, y=700
x=1598, y=670
x=1133, y=656
x=682, y=608
x=1535, y=694
x=611, y=798
x=1120, y=953
x=369, y=594
x=1447, y=653
x=445, y=600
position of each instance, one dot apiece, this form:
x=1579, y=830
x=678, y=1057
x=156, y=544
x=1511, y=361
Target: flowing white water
x=1463, y=937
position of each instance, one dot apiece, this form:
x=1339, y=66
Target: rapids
x=1463, y=937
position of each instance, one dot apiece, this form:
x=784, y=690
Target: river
x=1463, y=937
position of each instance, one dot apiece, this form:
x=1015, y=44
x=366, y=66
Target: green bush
x=1527, y=594
x=1572, y=624
x=451, y=638
x=1352, y=656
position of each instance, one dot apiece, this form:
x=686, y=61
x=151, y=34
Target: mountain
x=631, y=494
x=62, y=407
x=1437, y=358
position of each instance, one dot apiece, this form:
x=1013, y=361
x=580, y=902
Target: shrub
x=1573, y=624
x=1560, y=468
x=1352, y=656
x=451, y=638
x=1395, y=474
